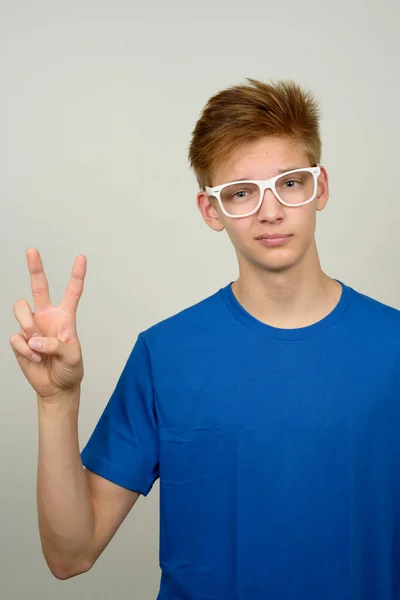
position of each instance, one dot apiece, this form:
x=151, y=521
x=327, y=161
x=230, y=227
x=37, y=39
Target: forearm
x=64, y=506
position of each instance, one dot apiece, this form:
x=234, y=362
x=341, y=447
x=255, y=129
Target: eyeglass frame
x=265, y=184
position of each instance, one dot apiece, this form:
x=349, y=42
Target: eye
x=290, y=183
x=240, y=194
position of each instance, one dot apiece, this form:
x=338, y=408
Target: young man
x=270, y=411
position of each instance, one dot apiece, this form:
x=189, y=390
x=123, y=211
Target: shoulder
x=376, y=307
x=375, y=315
x=193, y=321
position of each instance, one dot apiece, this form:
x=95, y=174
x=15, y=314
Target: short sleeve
x=124, y=444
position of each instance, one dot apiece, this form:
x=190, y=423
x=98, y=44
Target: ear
x=210, y=211
x=323, y=190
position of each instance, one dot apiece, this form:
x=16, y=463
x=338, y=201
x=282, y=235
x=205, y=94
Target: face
x=264, y=159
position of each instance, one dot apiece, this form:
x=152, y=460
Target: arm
x=79, y=512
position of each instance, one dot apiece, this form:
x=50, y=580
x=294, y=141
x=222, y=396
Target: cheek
x=311, y=221
x=239, y=231
x=303, y=221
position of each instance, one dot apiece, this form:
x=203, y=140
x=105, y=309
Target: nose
x=271, y=209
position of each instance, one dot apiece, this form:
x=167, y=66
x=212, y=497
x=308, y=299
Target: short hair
x=245, y=113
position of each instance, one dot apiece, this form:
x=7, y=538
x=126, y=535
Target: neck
x=290, y=299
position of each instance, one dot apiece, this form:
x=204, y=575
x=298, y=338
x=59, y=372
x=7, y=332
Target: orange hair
x=245, y=113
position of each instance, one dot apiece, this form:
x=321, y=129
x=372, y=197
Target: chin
x=275, y=260
x=272, y=266
x=278, y=267
x=282, y=261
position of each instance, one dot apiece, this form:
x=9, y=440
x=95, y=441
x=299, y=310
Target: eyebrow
x=280, y=171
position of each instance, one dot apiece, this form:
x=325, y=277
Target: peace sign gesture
x=47, y=347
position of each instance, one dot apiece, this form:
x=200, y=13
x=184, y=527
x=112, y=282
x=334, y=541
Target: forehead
x=261, y=159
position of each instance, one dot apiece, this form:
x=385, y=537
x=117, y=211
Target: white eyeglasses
x=243, y=198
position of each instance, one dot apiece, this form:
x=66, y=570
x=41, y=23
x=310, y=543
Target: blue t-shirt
x=277, y=450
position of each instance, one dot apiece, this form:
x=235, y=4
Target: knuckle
x=75, y=293
x=39, y=291
x=30, y=327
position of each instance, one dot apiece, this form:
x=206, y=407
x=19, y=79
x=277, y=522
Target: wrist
x=64, y=402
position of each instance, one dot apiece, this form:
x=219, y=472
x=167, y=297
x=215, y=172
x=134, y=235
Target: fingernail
x=36, y=357
x=36, y=343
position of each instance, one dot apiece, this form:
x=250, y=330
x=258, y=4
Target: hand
x=47, y=347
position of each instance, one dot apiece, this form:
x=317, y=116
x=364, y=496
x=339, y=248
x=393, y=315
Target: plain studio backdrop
x=98, y=101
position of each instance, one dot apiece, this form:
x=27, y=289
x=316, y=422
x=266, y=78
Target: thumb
x=68, y=353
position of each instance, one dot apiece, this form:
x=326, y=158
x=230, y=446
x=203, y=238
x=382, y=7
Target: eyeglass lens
x=242, y=198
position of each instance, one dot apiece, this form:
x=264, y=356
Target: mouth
x=275, y=239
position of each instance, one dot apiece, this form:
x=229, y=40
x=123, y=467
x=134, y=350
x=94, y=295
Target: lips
x=273, y=240
x=272, y=236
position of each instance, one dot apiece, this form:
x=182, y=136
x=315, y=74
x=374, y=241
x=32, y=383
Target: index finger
x=74, y=289
x=39, y=283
